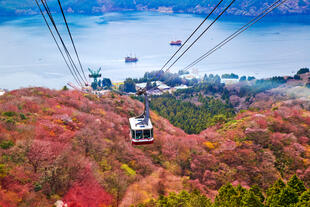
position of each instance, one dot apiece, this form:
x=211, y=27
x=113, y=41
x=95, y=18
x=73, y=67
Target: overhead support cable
x=55, y=40
x=73, y=65
x=77, y=55
x=235, y=34
x=191, y=35
x=201, y=34
x=76, y=71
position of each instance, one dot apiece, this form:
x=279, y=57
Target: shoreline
x=161, y=10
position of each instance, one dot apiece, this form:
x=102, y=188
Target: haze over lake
x=29, y=57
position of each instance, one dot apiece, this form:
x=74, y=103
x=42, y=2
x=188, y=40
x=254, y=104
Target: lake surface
x=29, y=57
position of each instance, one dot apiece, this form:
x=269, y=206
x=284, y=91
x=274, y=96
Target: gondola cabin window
x=139, y=134
x=147, y=133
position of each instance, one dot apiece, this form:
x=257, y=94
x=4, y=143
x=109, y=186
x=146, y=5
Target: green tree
x=65, y=88
x=304, y=199
x=129, y=85
x=297, y=77
x=296, y=184
x=251, y=200
x=257, y=191
x=226, y=195
x=230, y=76
x=243, y=78
x=273, y=193
x=198, y=200
x=106, y=83
x=251, y=78
x=302, y=71
x=183, y=199
x=94, y=85
x=241, y=192
x=288, y=197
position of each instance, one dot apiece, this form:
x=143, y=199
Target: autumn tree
x=116, y=183
x=89, y=139
x=38, y=153
x=62, y=173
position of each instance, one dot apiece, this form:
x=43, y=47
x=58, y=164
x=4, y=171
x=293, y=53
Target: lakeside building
x=189, y=76
x=181, y=87
x=2, y=92
x=229, y=81
x=159, y=84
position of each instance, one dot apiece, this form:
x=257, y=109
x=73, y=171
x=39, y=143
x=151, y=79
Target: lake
x=29, y=57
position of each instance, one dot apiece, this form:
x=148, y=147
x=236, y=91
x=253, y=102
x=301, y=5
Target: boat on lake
x=129, y=59
x=177, y=43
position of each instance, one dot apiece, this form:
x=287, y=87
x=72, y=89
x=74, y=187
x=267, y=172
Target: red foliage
x=303, y=140
x=261, y=121
x=40, y=152
x=84, y=131
x=87, y=193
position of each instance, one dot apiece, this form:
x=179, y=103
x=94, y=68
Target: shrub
x=9, y=113
x=128, y=170
x=22, y=116
x=37, y=187
x=3, y=171
x=7, y=144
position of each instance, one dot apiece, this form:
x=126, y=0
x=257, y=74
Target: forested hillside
x=192, y=118
x=292, y=193
x=75, y=147
x=207, y=101
x=240, y=7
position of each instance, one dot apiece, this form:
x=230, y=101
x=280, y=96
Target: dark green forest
x=190, y=117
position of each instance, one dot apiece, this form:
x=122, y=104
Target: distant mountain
x=240, y=7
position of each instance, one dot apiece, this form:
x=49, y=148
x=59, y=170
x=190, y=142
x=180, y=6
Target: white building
x=229, y=81
x=181, y=87
x=2, y=92
x=190, y=76
x=160, y=85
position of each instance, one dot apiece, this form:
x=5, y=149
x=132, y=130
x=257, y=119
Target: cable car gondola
x=141, y=128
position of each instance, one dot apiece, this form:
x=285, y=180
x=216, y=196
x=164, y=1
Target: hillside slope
x=247, y=7
x=65, y=145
